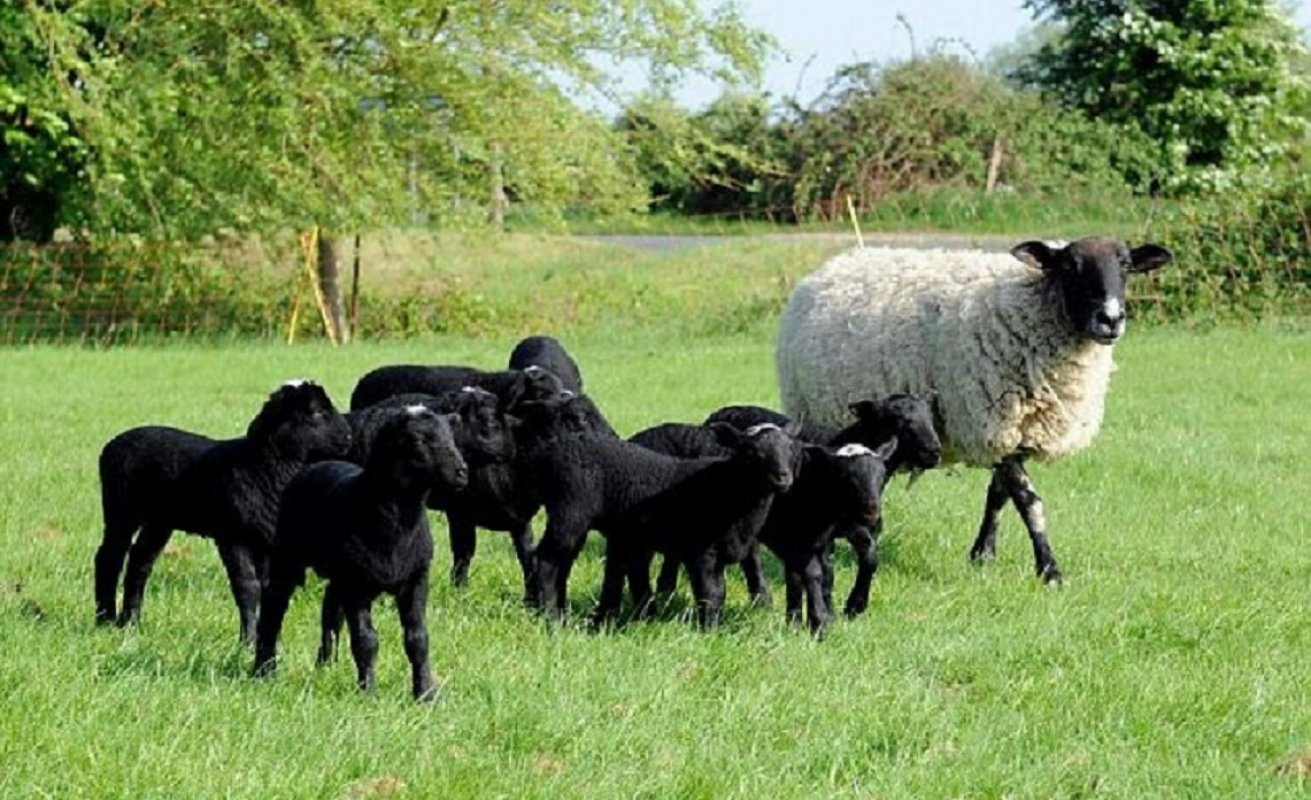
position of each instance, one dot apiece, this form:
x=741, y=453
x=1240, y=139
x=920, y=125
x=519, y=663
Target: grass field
x=1175, y=662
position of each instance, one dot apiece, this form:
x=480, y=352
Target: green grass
x=1174, y=663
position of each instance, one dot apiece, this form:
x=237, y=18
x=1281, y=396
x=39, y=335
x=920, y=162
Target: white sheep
x=1015, y=347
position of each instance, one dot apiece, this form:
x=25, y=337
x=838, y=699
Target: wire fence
x=1242, y=266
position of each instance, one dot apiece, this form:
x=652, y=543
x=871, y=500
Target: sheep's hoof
x=427, y=695
x=854, y=610
x=104, y=618
x=1051, y=576
x=264, y=668
x=762, y=600
x=983, y=555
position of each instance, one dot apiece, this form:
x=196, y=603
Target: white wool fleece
x=985, y=332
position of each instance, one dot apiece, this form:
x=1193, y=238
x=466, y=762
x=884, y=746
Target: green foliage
x=1163, y=669
x=1246, y=257
x=259, y=115
x=1209, y=81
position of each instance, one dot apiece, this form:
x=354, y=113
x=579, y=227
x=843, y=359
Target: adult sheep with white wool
x=1017, y=349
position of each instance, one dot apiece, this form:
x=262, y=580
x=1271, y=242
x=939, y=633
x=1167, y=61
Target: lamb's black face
x=417, y=448
x=484, y=429
x=857, y=479
x=1091, y=276
x=776, y=451
x=535, y=385
x=300, y=420
x=907, y=417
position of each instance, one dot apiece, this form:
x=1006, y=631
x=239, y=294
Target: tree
x=1209, y=81
x=263, y=114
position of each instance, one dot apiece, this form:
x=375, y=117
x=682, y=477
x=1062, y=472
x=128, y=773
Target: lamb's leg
x=272, y=610
x=464, y=542
x=243, y=568
x=364, y=641
x=707, y=579
x=667, y=580
x=794, y=589
x=612, y=583
x=754, y=572
x=999, y=493
x=522, y=539
x=1029, y=504
x=865, y=542
x=331, y=618
x=827, y=563
x=109, y=566
x=639, y=581
x=554, y=557
x=411, y=602
x=140, y=560
x=817, y=611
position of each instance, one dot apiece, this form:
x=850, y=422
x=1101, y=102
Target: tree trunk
x=994, y=165
x=496, y=185
x=330, y=283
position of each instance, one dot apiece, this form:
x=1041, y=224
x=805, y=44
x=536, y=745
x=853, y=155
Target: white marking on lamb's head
x=296, y=383
x=415, y=410
x=533, y=369
x=756, y=430
x=853, y=450
x=470, y=389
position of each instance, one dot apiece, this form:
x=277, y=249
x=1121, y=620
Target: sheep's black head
x=415, y=447
x=484, y=433
x=1090, y=274
x=907, y=417
x=300, y=422
x=533, y=384
x=776, y=451
x=855, y=474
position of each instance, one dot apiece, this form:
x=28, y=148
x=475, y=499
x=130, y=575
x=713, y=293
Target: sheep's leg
x=707, y=579
x=243, y=576
x=612, y=583
x=817, y=611
x=464, y=542
x=865, y=542
x=140, y=560
x=522, y=539
x=411, y=603
x=364, y=641
x=272, y=610
x=554, y=560
x=639, y=581
x=109, y=566
x=827, y=564
x=331, y=618
x=999, y=493
x=1029, y=504
x=794, y=590
x=667, y=580
x=754, y=572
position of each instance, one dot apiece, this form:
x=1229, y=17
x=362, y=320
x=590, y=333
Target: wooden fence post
x=329, y=270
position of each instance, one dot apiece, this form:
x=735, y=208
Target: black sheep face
x=1090, y=274
x=415, y=448
x=909, y=418
x=776, y=451
x=535, y=384
x=301, y=423
x=858, y=475
x=483, y=426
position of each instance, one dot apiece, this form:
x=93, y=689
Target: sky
x=819, y=35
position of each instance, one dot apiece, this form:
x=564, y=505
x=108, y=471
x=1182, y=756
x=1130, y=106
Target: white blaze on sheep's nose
x=1113, y=310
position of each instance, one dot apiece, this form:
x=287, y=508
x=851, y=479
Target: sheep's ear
x=793, y=426
x=726, y=434
x=453, y=420
x=885, y=450
x=863, y=409
x=1035, y=254
x=517, y=389
x=1149, y=257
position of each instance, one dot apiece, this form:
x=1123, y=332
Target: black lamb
x=511, y=386
x=157, y=479
x=833, y=487
x=906, y=417
x=480, y=427
x=703, y=513
x=365, y=530
x=548, y=353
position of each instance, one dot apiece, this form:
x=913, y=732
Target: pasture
x=1175, y=661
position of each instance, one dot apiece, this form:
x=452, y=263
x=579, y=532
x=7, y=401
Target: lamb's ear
x=863, y=409
x=515, y=392
x=726, y=434
x=884, y=451
x=1149, y=257
x=453, y=420
x=793, y=426
x=1035, y=254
